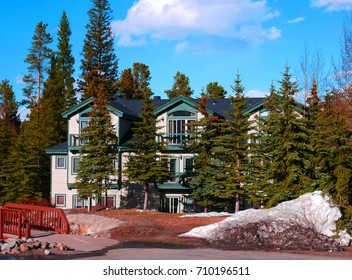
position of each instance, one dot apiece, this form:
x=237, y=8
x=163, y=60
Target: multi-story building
x=173, y=115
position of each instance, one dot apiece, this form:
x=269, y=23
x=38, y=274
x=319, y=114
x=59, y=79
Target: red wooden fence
x=13, y=222
x=47, y=218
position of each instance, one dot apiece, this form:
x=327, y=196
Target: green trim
x=173, y=187
x=254, y=107
x=72, y=158
x=67, y=114
x=56, y=152
x=56, y=162
x=179, y=99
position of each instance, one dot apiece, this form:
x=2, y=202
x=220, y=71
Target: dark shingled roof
x=62, y=147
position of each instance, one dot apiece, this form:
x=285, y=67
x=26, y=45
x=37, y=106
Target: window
x=179, y=126
x=60, y=200
x=60, y=162
x=82, y=126
x=173, y=168
x=188, y=165
x=75, y=165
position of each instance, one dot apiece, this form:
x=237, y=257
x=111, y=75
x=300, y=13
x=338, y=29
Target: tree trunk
x=146, y=194
x=237, y=202
x=89, y=209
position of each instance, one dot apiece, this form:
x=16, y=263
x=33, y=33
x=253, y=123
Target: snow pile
x=90, y=224
x=288, y=225
x=206, y=215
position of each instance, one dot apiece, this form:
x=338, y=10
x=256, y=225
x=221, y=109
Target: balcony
x=176, y=140
x=74, y=143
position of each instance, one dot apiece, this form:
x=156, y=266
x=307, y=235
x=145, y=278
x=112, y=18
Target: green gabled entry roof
x=178, y=100
x=114, y=107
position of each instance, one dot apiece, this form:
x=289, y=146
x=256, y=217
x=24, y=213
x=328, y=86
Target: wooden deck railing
x=47, y=218
x=13, y=222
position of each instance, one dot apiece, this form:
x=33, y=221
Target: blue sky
x=207, y=40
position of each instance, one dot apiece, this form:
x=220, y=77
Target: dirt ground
x=161, y=230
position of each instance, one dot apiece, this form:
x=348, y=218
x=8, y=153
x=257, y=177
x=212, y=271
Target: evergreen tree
x=65, y=62
x=180, y=87
x=134, y=83
x=235, y=151
x=333, y=150
x=286, y=145
x=38, y=60
x=206, y=166
x=59, y=92
x=9, y=129
x=98, y=155
x=99, y=64
x=126, y=84
x=21, y=177
x=214, y=90
x=146, y=163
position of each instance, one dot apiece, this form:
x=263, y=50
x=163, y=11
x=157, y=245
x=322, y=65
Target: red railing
x=13, y=222
x=47, y=218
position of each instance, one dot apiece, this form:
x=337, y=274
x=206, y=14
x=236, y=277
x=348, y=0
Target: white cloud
x=256, y=93
x=19, y=80
x=181, y=47
x=332, y=5
x=296, y=20
x=179, y=19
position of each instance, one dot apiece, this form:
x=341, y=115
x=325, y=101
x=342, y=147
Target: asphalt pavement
x=102, y=248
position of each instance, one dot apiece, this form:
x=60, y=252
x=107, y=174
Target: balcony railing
x=176, y=139
x=74, y=141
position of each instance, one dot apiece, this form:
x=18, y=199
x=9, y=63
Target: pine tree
x=38, y=60
x=36, y=166
x=125, y=84
x=9, y=129
x=236, y=152
x=99, y=64
x=134, y=83
x=98, y=155
x=285, y=144
x=146, y=162
x=206, y=166
x=333, y=149
x=65, y=62
x=214, y=90
x=180, y=87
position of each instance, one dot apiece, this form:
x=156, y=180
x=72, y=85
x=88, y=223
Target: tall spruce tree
x=98, y=155
x=180, y=87
x=235, y=151
x=59, y=92
x=38, y=64
x=99, y=64
x=206, y=166
x=285, y=144
x=35, y=131
x=66, y=61
x=146, y=162
x=9, y=129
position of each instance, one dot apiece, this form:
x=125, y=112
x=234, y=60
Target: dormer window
x=182, y=114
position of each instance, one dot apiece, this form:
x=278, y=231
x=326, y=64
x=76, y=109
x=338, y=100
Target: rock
x=5, y=247
x=24, y=247
x=306, y=223
x=47, y=252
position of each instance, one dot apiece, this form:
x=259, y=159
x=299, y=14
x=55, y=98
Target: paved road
x=89, y=248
